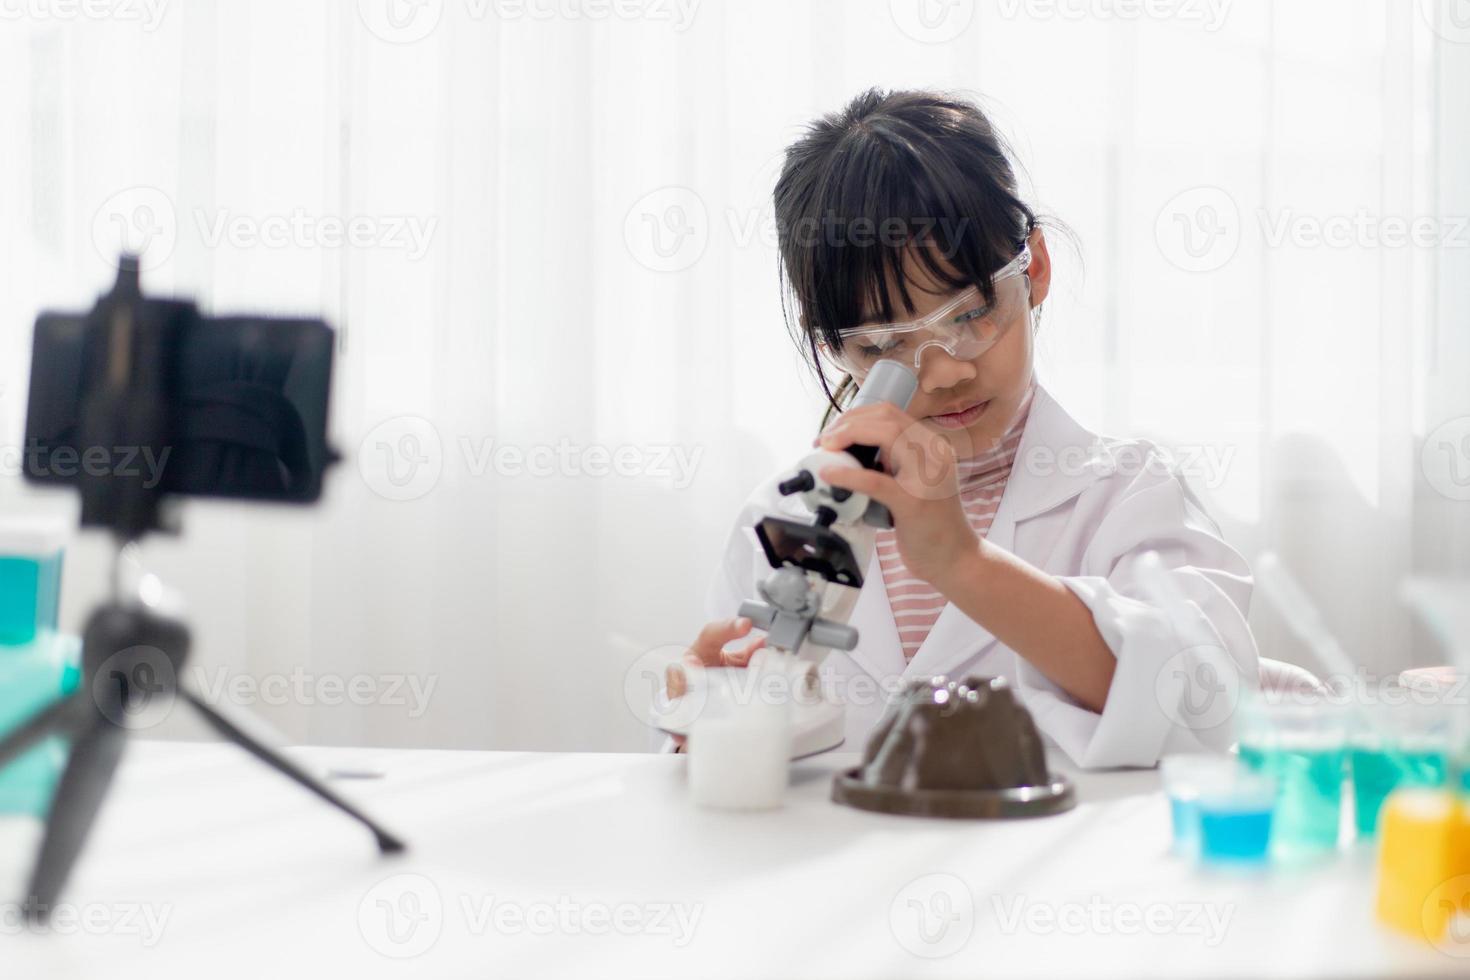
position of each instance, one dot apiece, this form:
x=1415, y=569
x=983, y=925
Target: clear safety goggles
x=964, y=328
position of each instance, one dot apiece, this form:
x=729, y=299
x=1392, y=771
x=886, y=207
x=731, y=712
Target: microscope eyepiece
x=800, y=483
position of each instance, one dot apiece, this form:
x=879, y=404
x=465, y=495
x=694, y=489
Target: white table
x=559, y=865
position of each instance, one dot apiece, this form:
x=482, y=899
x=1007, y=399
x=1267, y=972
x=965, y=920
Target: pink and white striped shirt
x=982, y=479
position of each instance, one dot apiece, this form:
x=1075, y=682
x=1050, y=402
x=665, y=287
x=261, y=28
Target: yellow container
x=1424, y=864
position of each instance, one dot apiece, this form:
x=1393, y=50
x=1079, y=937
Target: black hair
x=893, y=174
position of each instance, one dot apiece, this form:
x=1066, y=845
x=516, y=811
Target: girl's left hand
x=920, y=488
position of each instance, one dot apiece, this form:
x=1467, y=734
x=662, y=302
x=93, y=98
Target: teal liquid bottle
x=37, y=665
x=31, y=677
x=1378, y=770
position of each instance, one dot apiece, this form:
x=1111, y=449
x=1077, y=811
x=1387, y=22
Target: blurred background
x=543, y=230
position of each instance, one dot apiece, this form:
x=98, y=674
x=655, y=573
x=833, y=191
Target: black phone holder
x=130, y=651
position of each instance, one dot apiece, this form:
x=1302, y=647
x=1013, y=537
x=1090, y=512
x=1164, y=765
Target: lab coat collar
x=1057, y=459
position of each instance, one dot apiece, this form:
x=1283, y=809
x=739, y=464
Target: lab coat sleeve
x=1178, y=677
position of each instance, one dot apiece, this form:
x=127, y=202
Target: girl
x=1017, y=533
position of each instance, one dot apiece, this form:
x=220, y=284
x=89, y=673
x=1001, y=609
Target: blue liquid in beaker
x=1234, y=831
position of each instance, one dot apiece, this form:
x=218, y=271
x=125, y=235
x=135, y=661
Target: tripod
x=131, y=357
x=130, y=654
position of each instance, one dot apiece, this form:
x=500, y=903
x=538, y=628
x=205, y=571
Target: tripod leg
x=89, y=770
x=387, y=843
x=50, y=720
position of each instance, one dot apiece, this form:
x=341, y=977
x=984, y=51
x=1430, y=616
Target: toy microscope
x=804, y=604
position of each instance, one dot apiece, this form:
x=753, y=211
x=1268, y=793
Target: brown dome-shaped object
x=956, y=749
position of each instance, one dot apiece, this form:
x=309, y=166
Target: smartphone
x=237, y=405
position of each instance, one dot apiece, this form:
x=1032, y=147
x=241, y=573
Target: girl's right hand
x=708, y=650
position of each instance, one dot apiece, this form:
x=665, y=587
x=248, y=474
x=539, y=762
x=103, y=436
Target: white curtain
x=543, y=231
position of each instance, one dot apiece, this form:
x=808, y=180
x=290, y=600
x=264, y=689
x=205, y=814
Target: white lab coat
x=1083, y=508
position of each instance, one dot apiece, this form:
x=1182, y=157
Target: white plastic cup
x=739, y=763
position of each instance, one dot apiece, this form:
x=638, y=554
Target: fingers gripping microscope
x=804, y=603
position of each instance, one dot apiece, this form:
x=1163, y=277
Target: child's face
x=972, y=402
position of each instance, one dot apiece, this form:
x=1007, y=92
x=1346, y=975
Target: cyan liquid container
x=1303, y=749
x=1236, y=818
x=37, y=666
x=1184, y=777
x=1404, y=744
x=31, y=677
x=30, y=580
